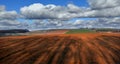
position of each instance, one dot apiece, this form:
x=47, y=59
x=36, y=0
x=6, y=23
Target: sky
x=59, y=14
x=17, y=4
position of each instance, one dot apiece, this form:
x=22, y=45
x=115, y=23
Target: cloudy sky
x=59, y=14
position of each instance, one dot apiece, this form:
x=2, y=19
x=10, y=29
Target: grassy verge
x=80, y=31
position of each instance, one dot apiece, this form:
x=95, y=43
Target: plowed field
x=61, y=49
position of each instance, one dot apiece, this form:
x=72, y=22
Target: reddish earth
x=99, y=48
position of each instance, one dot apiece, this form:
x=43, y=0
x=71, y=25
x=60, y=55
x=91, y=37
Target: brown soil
x=99, y=48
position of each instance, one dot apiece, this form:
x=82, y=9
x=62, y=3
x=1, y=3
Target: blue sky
x=17, y=4
x=59, y=14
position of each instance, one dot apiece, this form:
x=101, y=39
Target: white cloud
x=59, y=16
x=2, y=8
x=78, y=22
x=9, y=22
x=102, y=8
x=106, y=23
x=109, y=12
x=50, y=11
x=8, y=19
x=74, y=9
x=110, y=21
x=55, y=16
x=100, y=4
x=39, y=11
x=8, y=15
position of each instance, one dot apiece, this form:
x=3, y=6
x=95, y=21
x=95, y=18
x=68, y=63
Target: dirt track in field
x=61, y=49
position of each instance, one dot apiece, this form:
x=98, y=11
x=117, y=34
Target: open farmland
x=74, y=31
x=61, y=49
x=43, y=32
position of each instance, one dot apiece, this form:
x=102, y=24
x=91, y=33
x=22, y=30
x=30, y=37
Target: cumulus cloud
x=9, y=22
x=100, y=4
x=104, y=23
x=103, y=8
x=110, y=21
x=8, y=15
x=74, y=9
x=51, y=16
x=78, y=22
x=47, y=23
x=8, y=19
x=50, y=11
x=2, y=8
x=109, y=12
x=37, y=11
